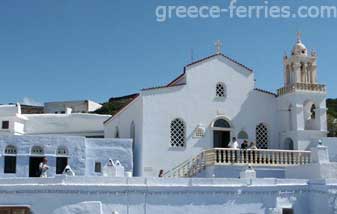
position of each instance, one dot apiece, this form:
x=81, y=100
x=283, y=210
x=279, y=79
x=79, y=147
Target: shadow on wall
x=88, y=207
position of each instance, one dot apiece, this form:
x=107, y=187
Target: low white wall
x=331, y=143
x=155, y=195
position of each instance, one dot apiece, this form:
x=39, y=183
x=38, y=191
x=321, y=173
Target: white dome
x=299, y=49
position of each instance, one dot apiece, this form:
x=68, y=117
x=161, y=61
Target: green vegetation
x=115, y=104
x=332, y=117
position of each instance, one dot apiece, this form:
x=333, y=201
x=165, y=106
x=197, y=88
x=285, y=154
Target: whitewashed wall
x=169, y=196
x=196, y=104
x=123, y=120
x=66, y=124
x=83, y=153
x=295, y=129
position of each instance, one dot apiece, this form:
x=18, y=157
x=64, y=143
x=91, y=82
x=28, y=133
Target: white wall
x=83, y=153
x=301, y=136
x=167, y=196
x=101, y=150
x=196, y=103
x=123, y=120
x=67, y=124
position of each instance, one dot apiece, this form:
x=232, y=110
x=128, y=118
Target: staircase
x=237, y=157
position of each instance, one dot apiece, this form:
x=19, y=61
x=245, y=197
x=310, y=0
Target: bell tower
x=299, y=67
x=301, y=101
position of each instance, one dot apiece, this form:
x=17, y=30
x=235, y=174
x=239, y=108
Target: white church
x=214, y=100
x=167, y=150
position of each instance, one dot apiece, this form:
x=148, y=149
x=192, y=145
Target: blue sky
x=55, y=50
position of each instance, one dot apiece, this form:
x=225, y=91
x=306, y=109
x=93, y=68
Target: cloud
x=31, y=102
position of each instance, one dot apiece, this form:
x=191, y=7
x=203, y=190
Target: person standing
x=234, y=144
x=244, y=145
x=252, y=145
x=161, y=173
x=43, y=167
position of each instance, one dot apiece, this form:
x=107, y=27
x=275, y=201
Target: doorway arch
x=222, y=132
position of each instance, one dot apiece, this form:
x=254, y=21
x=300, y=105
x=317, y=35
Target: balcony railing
x=237, y=157
x=301, y=87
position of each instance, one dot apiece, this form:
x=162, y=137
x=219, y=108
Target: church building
x=214, y=100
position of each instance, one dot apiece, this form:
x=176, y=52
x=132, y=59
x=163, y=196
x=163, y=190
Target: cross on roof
x=218, y=46
x=299, y=35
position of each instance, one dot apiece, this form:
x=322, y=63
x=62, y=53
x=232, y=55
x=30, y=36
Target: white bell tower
x=299, y=67
x=301, y=102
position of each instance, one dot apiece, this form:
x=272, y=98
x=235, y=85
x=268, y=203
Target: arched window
x=178, y=131
x=133, y=137
x=262, y=136
x=62, y=150
x=220, y=90
x=243, y=135
x=303, y=73
x=309, y=114
x=10, y=159
x=313, y=112
x=37, y=150
x=117, y=132
x=10, y=149
x=61, y=159
x=132, y=131
x=221, y=123
x=290, y=117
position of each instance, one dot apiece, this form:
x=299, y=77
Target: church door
x=221, y=133
x=221, y=139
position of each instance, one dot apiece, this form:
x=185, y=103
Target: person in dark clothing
x=161, y=173
x=244, y=145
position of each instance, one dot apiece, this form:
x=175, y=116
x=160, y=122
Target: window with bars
x=62, y=150
x=37, y=150
x=178, y=131
x=220, y=90
x=262, y=137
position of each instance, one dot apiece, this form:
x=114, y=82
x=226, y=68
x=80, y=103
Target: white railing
x=301, y=87
x=222, y=156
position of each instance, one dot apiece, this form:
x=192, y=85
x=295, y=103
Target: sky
x=55, y=50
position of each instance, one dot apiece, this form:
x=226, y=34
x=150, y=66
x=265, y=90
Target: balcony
x=237, y=157
x=301, y=87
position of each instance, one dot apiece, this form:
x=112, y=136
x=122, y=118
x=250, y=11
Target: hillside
x=332, y=117
x=115, y=104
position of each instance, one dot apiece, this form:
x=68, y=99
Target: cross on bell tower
x=299, y=36
x=218, y=45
